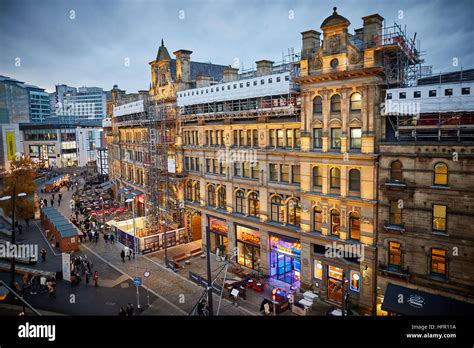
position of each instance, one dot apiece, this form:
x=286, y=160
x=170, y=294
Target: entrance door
x=285, y=267
x=335, y=290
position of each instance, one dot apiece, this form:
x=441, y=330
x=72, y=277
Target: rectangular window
x=395, y=213
x=417, y=94
x=273, y=172
x=207, y=137
x=389, y=95
x=237, y=168
x=255, y=171
x=280, y=138
x=246, y=170
x=439, y=218
x=394, y=255
x=402, y=95
x=241, y=137
x=438, y=262
x=186, y=163
x=318, y=269
x=432, y=93
x=211, y=138
x=356, y=138
x=465, y=90
x=295, y=175
x=215, y=166
x=448, y=92
x=255, y=138
x=285, y=172
x=289, y=138
x=297, y=138
x=208, y=165
x=249, y=138
x=272, y=138
x=336, y=138
x=318, y=138
x=222, y=168
x=198, y=165
x=236, y=140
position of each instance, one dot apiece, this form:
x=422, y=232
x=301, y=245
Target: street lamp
x=103, y=213
x=13, y=198
x=131, y=200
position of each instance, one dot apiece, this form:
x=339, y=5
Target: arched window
x=197, y=192
x=211, y=196
x=335, y=222
x=354, y=226
x=277, y=209
x=317, y=106
x=317, y=219
x=189, y=190
x=356, y=102
x=440, y=174
x=239, y=201
x=336, y=103
x=396, y=173
x=293, y=212
x=354, y=180
x=254, y=205
x=221, y=203
x=317, y=177
x=335, y=176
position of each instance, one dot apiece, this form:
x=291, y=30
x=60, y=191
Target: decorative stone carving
x=334, y=44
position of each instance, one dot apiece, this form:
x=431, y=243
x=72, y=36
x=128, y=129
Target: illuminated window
x=239, y=202
x=394, y=255
x=294, y=211
x=336, y=138
x=317, y=177
x=439, y=218
x=317, y=219
x=335, y=222
x=211, y=196
x=285, y=172
x=277, y=209
x=356, y=102
x=197, y=192
x=335, y=178
x=254, y=204
x=355, y=281
x=438, y=262
x=318, y=269
x=354, y=226
x=440, y=174
x=356, y=138
x=221, y=198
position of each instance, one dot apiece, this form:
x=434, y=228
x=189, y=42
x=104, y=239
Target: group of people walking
x=126, y=312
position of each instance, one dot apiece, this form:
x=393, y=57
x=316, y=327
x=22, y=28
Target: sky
x=101, y=43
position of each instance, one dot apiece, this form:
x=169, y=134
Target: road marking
x=130, y=277
x=47, y=242
x=189, y=281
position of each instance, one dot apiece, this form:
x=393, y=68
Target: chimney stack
x=230, y=74
x=372, y=29
x=203, y=81
x=311, y=41
x=183, y=65
x=264, y=67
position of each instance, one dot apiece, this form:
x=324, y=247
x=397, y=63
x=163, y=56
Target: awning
x=406, y=301
x=137, y=192
x=129, y=195
x=122, y=190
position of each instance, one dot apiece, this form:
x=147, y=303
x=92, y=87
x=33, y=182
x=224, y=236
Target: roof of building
x=214, y=71
x=456, y=76
x=20, y=84
x=335, y=19
x=163, y=53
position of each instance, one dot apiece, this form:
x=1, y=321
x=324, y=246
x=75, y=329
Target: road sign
x=137, y=281
x=146, y=274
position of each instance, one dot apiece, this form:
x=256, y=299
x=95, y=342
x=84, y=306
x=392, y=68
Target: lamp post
x=135, y=244
x=13, y=198
x=103, y=213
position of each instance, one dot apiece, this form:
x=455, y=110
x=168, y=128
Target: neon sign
x=282, y=246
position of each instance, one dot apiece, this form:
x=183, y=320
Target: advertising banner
x=66, y=262
x=10, y=145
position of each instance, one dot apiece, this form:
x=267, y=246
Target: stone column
x=306, y=273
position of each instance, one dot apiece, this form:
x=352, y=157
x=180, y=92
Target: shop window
x=440, y=174
x=318, y=269
x=317, y=219
x=335, y=178
x=277, y=209
x=254, y=204
x=395, y=213
x=355, y=281
x=336, y=103
x=317, y=106
x=356, y=102
x=239, y=201
x=439, y=218
x=335, y=138
x=294, y=212
x=211, y=196
x=354, y=226
x=354, y=180
x=438, y=262
x=317, y=177
x=335, y=222
x=396, y=174
x=394, y=255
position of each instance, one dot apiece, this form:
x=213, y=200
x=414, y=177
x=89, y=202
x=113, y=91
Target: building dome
x=335, y=19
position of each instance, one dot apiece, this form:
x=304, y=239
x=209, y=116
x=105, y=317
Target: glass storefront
x=248, y=246
x=285, y=263
x=218, y=234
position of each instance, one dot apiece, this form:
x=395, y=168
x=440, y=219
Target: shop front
x=285, y=259
x=218, y=235
x=248, y=246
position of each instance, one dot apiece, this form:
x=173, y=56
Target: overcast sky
x=90, y=42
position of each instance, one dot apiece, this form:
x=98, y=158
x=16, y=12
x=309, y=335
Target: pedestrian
x=112, y=238
x=20, y=228
x=122, y=312
x=96, y=278
x=52, y=202
x=43, y=254
x=122, y=255
x=129, y=254
x=27, y=220
x=52, y=196
x=52, y=289
x=60, y=196
x=59, y=202
x=87, y=276
x=45, y=202
x=106, y=238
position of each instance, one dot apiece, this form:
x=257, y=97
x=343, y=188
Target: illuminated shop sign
x=248, y=235
x=282, y=246
x=218, y=226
